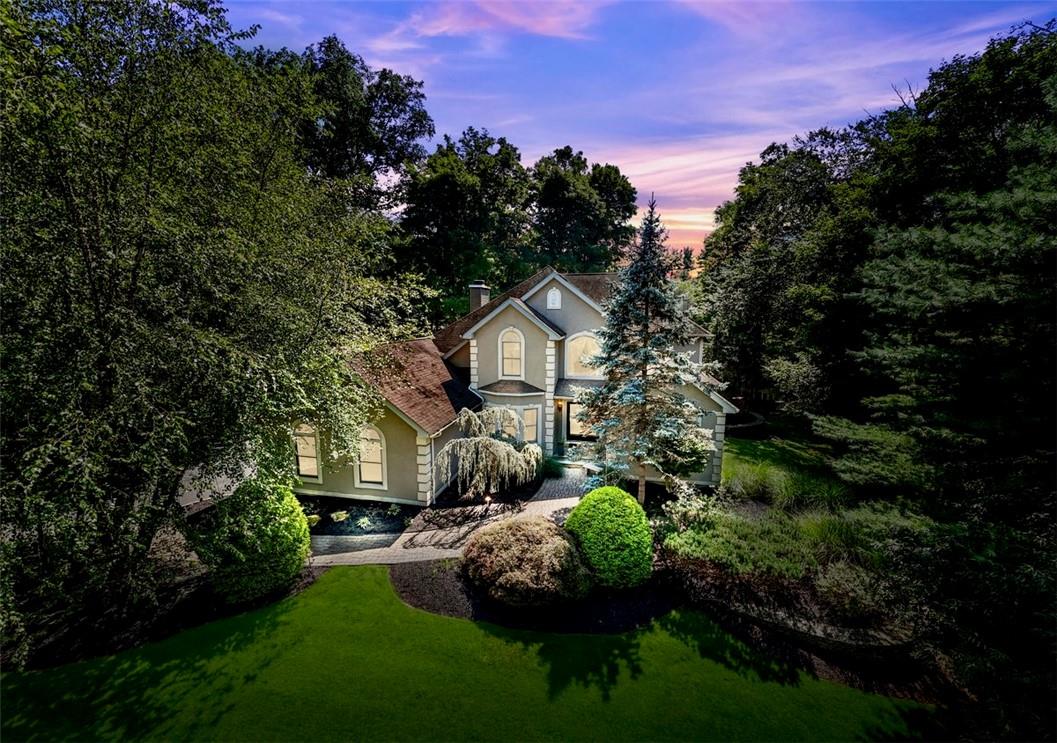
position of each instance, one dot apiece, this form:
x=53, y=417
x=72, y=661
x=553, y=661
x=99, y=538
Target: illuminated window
x=511, y=362
x=576, y=429
x=306, y=448
x=370, y=469
x=554, y=298
x=578, y=350
x=530, y=417
x=529, y=424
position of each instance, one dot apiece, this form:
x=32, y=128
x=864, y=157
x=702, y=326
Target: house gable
x=485, y=346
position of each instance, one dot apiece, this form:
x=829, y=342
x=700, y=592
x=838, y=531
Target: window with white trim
x=578, y=350
x=511, y=358
x=370, y=467
x=306, y=450
x=554, y=298
x=529, y=424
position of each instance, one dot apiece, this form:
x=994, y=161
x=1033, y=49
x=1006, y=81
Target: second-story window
x=511, y=354
x=579, y=350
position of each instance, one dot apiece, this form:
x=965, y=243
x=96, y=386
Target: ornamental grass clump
x=526, y=562
x=255, y=541
x=614, y=534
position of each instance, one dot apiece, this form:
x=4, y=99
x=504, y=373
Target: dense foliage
x=614, y=534
x=641, y=418
x=526, y=561
x=255, y=541
x=177, y=289
x=896, y=280
x=475, y=212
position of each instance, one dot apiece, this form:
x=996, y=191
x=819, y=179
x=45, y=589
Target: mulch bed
x=510, y=495
x=438, y=586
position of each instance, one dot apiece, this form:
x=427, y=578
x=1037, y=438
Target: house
x=524, y=349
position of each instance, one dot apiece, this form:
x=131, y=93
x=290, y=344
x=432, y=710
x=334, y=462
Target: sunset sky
x=678, y=94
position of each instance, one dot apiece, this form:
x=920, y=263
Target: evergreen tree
x=640, y=416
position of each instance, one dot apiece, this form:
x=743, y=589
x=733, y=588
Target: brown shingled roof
x=511, y=387
x=595, y=285
x=414, y=378
x=449, y=337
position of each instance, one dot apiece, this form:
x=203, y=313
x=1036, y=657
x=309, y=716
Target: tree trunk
x=642, y=484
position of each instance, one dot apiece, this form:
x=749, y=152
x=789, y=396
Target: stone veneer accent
x=473, y=363
x=718, y=436
x=550, y=379
x=425, y=469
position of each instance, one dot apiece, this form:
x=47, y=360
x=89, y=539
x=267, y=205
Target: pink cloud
x=743, y=17
x=555, y=19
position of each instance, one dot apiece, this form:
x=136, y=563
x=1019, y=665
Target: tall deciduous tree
x=370, y=125
x=581, y=212
x=639, y=415
x=177, y=289
x=466, y=217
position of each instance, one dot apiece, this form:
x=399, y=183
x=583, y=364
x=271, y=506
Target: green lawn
x=347, y=659
x=786, y=448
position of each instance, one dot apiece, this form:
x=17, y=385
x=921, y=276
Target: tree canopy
x=475, y=212
x=178, y=289
x=896, y=281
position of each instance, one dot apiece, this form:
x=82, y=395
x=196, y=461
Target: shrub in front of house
x=614, y=534
x=255, y=541
x=552, y=468
x=526, y=562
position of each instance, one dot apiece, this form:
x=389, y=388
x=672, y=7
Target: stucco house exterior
x=523, y=349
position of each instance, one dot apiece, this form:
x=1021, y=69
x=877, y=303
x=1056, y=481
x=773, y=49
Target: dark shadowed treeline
x=895, y=281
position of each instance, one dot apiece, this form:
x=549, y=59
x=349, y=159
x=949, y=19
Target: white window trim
x=499, y=353
x=554, y=298
x=385, y=466
x=520, y=410
x=319, y=455
x=565, y=356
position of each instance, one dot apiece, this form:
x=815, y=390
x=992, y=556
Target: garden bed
x=438, y=586
x=177, y=607
x=883, y=667
x=511, y=495
x=340, y=517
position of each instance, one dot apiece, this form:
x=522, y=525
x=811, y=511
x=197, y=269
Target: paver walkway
x=438, y=533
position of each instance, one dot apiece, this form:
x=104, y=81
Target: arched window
x=511, y=354
x=554, y=298
x=578, y=349
x=306, y=451
x=370, y=469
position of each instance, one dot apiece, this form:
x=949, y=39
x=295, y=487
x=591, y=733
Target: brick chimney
x=479, y=294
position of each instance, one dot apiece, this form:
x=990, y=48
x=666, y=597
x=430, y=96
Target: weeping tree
x=639, y=415
x=487, y=457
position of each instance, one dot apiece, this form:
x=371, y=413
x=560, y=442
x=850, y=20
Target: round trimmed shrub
x=526, y=562
x=615, y=536
x=255, y=541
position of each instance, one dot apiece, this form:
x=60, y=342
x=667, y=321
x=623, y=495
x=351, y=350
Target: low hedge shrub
x=526, y=562
x=614, y=534
x=771, y=545
x=255, y=541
